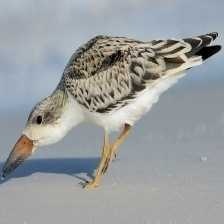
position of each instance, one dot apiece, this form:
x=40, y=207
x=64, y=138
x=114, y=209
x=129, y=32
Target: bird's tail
x=180, y=55
x=200, y=45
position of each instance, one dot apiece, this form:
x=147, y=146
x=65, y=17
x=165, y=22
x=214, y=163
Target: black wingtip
x=214, y=35
x=207, y=52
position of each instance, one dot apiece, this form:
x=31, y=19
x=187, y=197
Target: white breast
x=136, y=108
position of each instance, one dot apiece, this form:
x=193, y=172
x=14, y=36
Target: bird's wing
x=108, y=72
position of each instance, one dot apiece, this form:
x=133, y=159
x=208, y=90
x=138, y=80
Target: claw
x=90, y=185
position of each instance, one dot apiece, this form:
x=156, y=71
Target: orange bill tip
x=22, y=149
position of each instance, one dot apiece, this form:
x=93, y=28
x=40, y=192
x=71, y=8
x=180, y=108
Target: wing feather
x=108, y=72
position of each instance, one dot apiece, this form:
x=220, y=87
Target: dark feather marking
x=133, y=41
x=168, y=44
x=70, y=70
x=48, y=117
x=123, y=101
x=207, y=52
x=87, y=46
x=172, y=52
x=112, y=94
x=74, y=74
x=151, y=76
x=153, y=60
x=111, y=59
x=133, y=65
x=177, y=60
x=206, y=39
x=88, y=100
x=107, y=109
x=214, y=35
x=195, y=43
x=136, y=87
x=155, y=42
x=101, y=98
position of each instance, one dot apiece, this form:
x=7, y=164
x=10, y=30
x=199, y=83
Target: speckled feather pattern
x=107, y=73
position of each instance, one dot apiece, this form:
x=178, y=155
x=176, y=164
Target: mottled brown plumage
x=107, y=72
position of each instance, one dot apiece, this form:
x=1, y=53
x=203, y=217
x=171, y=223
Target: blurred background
x=170, y=170
x=38, y=37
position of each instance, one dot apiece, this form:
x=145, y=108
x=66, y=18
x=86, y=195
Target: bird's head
x=45, y=123
x=48, y=122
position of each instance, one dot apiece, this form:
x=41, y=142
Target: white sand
x=170, y=171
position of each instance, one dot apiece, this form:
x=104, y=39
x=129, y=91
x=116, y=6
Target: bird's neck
x=71, y=115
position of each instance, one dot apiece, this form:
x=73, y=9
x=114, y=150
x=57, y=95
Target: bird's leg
x=114, y=147
x=108, y=153
x=104, y=155
x=124, y=134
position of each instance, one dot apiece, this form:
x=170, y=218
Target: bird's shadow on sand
x=68, y=166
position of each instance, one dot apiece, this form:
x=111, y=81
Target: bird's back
x=109, y=73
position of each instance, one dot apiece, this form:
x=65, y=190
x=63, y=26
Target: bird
x=111, y=82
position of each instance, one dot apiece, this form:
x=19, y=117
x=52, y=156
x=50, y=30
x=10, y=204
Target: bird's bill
x=22, y=149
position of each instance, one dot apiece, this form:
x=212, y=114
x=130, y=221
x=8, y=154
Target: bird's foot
x=91, y=184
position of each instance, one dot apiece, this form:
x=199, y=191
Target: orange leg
x=108, y=153
x=115, y=146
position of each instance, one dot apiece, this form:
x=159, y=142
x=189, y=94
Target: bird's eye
x=39, y=119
